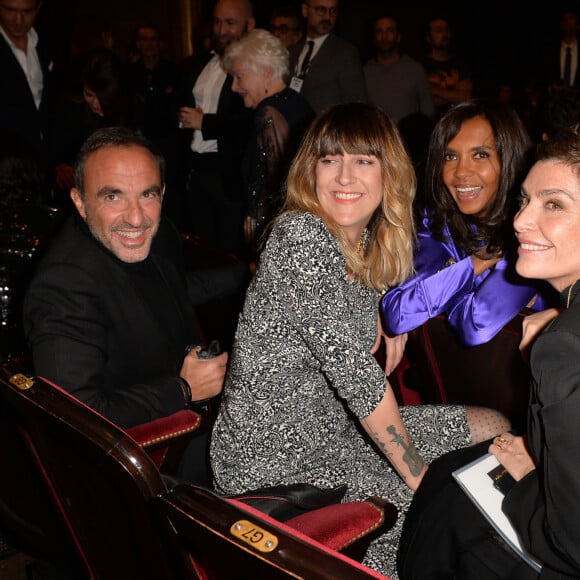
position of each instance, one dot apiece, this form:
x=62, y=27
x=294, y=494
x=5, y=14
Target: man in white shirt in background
x=220, y=124
x=24, y=66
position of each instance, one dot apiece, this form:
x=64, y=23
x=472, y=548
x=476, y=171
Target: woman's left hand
x=394, y=346
x=532, y=326
x=512, y=453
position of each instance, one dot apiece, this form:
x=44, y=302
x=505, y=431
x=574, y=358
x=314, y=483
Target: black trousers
x=215, y=214
x=446, y=537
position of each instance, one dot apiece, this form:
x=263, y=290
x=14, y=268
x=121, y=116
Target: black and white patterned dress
x=300, y=376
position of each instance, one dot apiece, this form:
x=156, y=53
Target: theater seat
x=78, y=493
x=227, y=539
x=492, y=374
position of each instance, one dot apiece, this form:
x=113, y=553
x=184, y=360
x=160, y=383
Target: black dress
x=279, y=124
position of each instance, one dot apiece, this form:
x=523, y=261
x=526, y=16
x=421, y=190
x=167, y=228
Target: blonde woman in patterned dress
x=305, y=399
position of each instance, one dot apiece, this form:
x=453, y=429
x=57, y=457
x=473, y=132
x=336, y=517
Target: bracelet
x=186, y=390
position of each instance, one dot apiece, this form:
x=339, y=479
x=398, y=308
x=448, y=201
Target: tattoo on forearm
x=410, y=456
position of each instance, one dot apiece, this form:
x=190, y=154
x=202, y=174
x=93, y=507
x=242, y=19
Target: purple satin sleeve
x=477, y=306
x=498, y=296
x=442, y=275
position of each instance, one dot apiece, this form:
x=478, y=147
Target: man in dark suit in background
x=107, y=315
x=326, y=69
x=24, y=66
x=561, y=66
x=221, y=124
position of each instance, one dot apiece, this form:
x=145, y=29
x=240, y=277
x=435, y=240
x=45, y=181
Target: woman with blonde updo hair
x=258, y=63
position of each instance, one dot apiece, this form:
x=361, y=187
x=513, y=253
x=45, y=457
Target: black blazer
x=96, y=327
x=335, y=74
x=230, y=125
x=545, y=505
x=18, y=113
x=550, y=69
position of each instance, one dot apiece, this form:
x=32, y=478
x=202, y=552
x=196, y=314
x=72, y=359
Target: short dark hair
x=149, y=25
x=113, y=137
x=286, y=10
x=560, y=110
x=563, y=147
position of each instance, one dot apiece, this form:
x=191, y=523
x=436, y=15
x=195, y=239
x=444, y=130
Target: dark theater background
x=501, y=39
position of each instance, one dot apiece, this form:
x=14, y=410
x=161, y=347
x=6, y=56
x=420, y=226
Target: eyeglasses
x=323, y=10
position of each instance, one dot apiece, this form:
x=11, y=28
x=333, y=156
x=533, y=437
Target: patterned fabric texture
x=301, y=375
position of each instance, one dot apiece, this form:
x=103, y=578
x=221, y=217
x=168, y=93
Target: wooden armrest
x=166, y=438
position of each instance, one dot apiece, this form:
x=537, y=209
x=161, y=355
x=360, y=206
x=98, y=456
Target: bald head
x=231, y=19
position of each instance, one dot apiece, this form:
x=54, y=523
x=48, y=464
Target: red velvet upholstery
x=94, y=487
x=339, y=526
x=205, y=525
x=78, y=491
x=165, y=439
x=491, y=374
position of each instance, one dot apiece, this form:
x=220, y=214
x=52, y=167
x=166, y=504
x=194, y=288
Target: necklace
x=361, y=241
x=570, y=294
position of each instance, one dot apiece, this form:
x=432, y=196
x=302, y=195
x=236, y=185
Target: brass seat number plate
x=21, y=381
x=254, y=535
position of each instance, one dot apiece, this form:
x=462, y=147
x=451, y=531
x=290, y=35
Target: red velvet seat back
x=232, y=540
x=492, y=374
x=92, y=481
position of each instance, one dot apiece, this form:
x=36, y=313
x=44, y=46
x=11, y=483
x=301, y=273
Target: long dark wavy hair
x=490, y=230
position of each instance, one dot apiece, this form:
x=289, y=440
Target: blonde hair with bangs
x=359, y=128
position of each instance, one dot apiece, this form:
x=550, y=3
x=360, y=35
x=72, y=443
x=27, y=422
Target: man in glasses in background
x=286, y=24
x=325, y=68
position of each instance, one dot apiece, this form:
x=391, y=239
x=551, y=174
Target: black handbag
x=283, y=502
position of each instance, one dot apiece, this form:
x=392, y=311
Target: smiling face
x=548, y=225
x=231, y=19
x=121, y=202
x=349, y=188
x=249, y=84
x=471, y=171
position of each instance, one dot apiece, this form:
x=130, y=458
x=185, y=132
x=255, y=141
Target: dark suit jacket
x=550, y=69
x=545, y=506
x=112, y=337
x=335, y=74
x=230, y=125
x=18, y=113
x=443, y=532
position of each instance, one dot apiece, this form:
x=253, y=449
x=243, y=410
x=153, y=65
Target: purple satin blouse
x=445, y=283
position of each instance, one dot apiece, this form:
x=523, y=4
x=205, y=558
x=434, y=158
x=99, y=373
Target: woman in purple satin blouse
x=466, y=248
